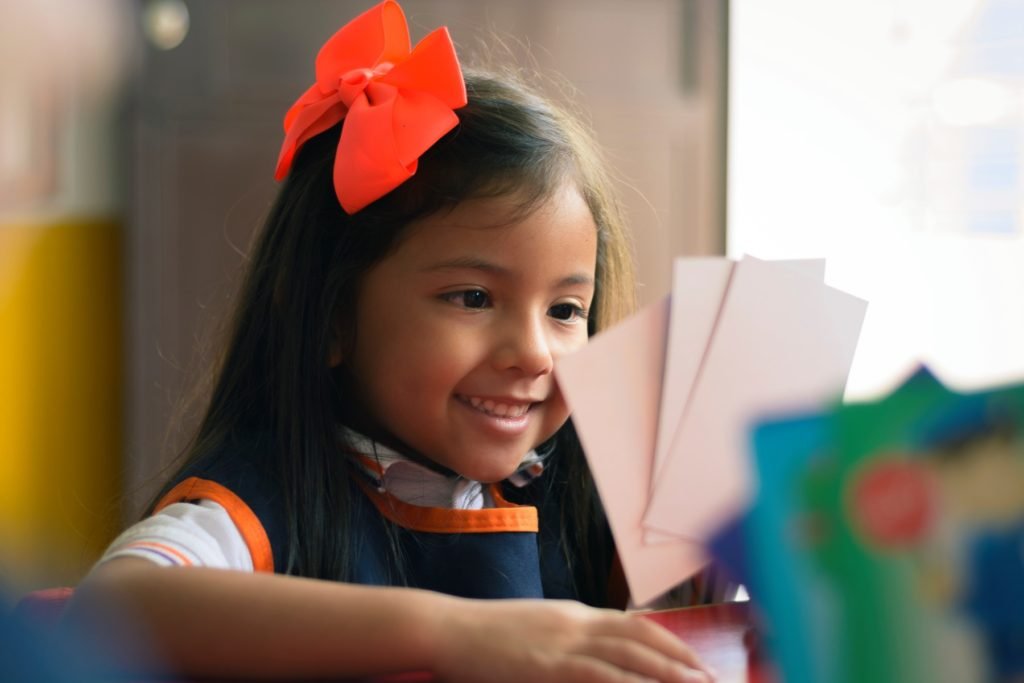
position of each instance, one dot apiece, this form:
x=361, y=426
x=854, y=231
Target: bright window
x=889, y=138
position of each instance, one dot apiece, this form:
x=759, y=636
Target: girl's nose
x=525, y=348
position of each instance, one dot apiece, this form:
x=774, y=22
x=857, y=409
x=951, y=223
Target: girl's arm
x=213, y=622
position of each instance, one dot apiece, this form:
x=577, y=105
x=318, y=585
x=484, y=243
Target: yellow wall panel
x=60, y=396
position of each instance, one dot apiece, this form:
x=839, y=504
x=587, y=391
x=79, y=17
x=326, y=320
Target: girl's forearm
x=222, y=623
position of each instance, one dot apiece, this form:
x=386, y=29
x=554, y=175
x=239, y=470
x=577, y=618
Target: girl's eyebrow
x=467, y=263
x=474, y=263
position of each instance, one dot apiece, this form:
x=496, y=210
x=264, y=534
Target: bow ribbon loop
x=396, y=103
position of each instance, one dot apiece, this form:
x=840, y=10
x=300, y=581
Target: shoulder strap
x=237, y=479
x=249, y=525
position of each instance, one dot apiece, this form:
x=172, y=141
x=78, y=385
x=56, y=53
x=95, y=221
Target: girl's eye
x=567, y=312
x=469, y=298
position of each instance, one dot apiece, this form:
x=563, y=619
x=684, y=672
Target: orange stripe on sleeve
x=164, y=547
x=253, y=533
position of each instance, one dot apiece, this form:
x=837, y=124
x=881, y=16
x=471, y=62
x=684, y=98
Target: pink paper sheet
x=782, y=341
x=699, y=287
x=613, y=386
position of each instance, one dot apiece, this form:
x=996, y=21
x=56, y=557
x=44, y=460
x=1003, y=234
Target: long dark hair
x=298, y=299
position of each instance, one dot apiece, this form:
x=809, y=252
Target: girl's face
x=458, y=329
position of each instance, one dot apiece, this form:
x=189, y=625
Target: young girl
x=385, y=443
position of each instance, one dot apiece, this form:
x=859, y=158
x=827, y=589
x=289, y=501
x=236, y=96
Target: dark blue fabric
x=476, y=565
x=487, y=565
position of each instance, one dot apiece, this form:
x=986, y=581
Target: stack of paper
x=663, y=401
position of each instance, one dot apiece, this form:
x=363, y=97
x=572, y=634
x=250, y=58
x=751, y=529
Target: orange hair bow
x=397, y=103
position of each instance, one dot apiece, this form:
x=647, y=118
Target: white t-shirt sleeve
x=197, y=534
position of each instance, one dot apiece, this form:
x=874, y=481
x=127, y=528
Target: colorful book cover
x=886, y=541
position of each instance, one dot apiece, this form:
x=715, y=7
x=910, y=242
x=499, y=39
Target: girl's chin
x=494, y=471
x=490, y=475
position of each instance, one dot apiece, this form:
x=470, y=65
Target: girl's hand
x=559, y=641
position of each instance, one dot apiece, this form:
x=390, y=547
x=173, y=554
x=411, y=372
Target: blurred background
x=138, y=140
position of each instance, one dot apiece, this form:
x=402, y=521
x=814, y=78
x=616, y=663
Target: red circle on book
x=892, y=502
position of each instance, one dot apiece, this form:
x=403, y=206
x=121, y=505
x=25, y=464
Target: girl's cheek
x=575, y=341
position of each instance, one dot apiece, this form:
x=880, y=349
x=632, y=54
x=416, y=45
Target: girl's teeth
x=497, y=409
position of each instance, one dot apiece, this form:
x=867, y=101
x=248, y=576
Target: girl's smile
x=498, y=407
x=458, y=328
x=511, y=423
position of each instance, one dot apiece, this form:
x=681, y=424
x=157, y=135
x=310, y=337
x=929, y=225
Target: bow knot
x=396, y=103
x=362, y=76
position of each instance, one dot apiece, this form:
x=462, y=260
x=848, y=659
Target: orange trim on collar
x=506, y=517
x=500, y=500
x=245, y=519
x=368, y=462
